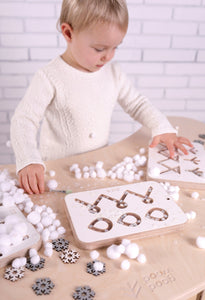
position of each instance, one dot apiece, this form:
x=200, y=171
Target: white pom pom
x=85, y=169
x=101, y=173
x=46, y=221
x=200, y=242
x=54, y=235
x=34, y=217
x=113, y=176
x=141, y=258
x=35, y=259
x=128, y=177
x=73, y=167
x=99, y=164
x=193, y=214
x=38, y=209
x=16, y=263
x=48, y=245
x=120, y=248
x=61, y=230
x=52, y=184
x=94, y=254
x=51, y=228
x=154, y=172
x=93, y=174
x=32, y=252
x=49, y=210
x=98, y=266
x=56, y=223
x=175, y=196
x=27, y=209
x=125, y=264
x=45, y=236
x=112, y=253
x=48, y=252
x=127, y=159
x=52, y=173
x=132, y=250
x=78, y=175
x=29, y=204
x=195, y=195
x=5, y=186
x=23, y=261
x=86, y=175
x=142, y=151
x=125, y=242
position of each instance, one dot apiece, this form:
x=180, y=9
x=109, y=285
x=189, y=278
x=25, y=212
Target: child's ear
x=67, y=31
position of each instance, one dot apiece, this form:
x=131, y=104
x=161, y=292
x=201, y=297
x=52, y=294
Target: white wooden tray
x=187, y=171
x=103, y=216
x=31, y=240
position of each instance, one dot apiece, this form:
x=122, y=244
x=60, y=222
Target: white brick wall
x=163, y=53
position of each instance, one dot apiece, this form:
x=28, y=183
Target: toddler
x=75, y=94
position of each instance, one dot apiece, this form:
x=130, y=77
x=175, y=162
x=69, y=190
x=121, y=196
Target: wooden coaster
x=31, y=240
x=104, y=216
x=187, y=171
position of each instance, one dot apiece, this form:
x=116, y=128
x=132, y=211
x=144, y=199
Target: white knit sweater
x=76, y=109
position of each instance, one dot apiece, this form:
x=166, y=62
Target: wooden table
x=175, y=267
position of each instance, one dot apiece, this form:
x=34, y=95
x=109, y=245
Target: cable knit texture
x=74, y=106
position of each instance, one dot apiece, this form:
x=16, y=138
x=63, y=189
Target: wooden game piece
x=131, y=211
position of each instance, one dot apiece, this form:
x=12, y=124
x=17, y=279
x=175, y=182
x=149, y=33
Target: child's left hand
x=172, y=141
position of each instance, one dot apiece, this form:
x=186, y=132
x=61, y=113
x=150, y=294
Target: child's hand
x=31, y=179
x=172, y=141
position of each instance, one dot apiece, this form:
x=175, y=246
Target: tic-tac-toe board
x=100, y=217
x=187, y=171
x=31, y=240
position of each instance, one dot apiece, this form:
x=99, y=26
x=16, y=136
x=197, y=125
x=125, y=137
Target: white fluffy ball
x=125, y=264
x=132, y=250
x=200, y=242
x=52, y=184
x=141, y=258
x=94, y=254
x=34, y=217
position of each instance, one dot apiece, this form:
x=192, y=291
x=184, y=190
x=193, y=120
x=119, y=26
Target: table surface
x=175, y=267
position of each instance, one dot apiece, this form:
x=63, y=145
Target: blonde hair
x=80, y=14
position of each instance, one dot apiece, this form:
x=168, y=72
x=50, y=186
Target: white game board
x=184, y=170
x=100, y=217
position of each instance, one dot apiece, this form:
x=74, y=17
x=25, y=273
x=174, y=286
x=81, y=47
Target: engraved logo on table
x=133, y=289
x=120, y=204
x=159, y=279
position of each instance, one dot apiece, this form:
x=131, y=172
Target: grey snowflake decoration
x=14, y=274
x=35, y=267
x=91, y=269
x=83, y=293
x=69, y=256
x=60, y=244
x=43, y=286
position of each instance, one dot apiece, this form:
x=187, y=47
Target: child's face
x=90, y=49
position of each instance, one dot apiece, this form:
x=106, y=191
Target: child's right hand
x=31, y=179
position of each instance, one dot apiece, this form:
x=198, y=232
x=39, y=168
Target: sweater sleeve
x=139, y=107
x=26, y=121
